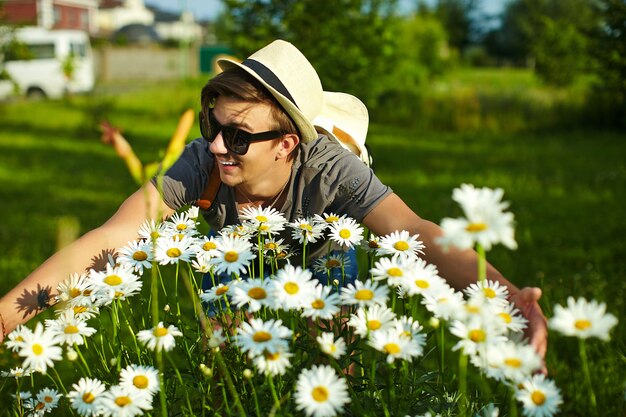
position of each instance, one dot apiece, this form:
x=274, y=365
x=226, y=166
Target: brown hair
x=237, y=83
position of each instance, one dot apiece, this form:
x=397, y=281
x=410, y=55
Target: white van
x=59, y=62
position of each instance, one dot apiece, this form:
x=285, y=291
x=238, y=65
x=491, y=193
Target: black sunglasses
x=236, y=140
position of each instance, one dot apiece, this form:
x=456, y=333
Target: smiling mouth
x=228, y=163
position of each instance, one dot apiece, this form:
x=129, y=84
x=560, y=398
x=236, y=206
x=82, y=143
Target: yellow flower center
x=262, y=336
x=88, y=397
x=489, y=292
x=79, y=309
x=364, y=294
x=476, y=227
x=37, y=349
x=71, y=329
x=332, y=263
x=264, y=228
x=74, y=292
x=173, y=252
x=506, y=317
x=159, y=331
x=401, y=245
x=261, y=219
x=257, y=293
x=40, y=406
x=48, y=399
x=291, y=288
x=344, y=233
x=271, y=246
x=332, y=219
x=140, y=256
x=221, y=290
x=140, y=381
x=582, y=324
x=123, y=401
x=113, y=280
x=320, y=394
x=473, y=309
x=394, y=272
x=392, y=348
x=207, y=246
x=180, y=227
x=477, y=336
x=513, y=362
x=538, y=397
x=154, y=235
x=231, y=256
x=306, y=227
x=374, y=324
x=87, y=293
x=318, y=304
x=420, y=283
x=271, y=356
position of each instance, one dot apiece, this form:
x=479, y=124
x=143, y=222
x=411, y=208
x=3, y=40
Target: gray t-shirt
x=325, y=178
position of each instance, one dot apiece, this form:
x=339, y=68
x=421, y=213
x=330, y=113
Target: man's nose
x=217, y=146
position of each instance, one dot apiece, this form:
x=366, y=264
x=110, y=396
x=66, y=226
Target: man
x=259, y=136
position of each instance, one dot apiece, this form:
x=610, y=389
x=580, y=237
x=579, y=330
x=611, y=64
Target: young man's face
x=259, y=162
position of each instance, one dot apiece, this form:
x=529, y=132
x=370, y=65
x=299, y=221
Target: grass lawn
x=567, y=190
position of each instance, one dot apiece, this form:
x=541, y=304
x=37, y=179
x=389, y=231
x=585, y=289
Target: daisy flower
x=202, y=263
x=258, y=336
x=540, y=396
x=75, y=290
x=193, y=212
x=171, y=251
x=492, y=291
x=115, y=282
x=234, y=255
x=69, y=329
x=151, y=230
x=253, y=292
x=371, y=245
x=159, y=337
x=485, y=221
x=143, y=378
x=306, y=230
x=206, y=246
x=120, y=401
x=511, y=361
x=46, y=400
x=583, y=319
x=328, y=218
x=445, y=303
x=401, y=244
x=180, y=223
x=292, y=286
x=346, y=232
x=320, y=392
x=364, y=293
x=16, y=373
x=410, y=328
x=217, y=292
x=475, y=335
x=266, y=221
x=392, y=269
x=273, y=363
x=85, y=396
x=511, y=318
x=16, y=339
x=421, y=278
x=373, y=319
x=83, y=312
x=272, y=247
x=40, y=349
x=322, y=303
x=136, y=254
x=331, y=346
x=330, y=262
x=395, y=345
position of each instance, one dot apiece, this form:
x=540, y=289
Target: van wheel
x=35, y=93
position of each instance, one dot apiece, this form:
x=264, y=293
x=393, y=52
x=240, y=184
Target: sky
x=209, y=9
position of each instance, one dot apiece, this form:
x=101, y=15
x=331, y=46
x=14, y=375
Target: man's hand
x=537, y=331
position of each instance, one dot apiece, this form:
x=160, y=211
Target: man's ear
x=286, y=145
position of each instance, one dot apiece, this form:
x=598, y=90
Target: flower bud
x=166, y=308
x=206, y=371
x=434, y=322
x=113, y=361
x=71, y=354
x=247, y=373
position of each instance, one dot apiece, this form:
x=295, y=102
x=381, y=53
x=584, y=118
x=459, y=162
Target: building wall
x=21, y=11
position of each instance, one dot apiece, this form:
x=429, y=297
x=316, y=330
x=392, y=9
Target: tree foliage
x=349, y=42
x=460, y=18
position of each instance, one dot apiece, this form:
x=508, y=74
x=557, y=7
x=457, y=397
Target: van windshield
x=31, y=51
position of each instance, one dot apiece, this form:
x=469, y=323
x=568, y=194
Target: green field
x=567, y=190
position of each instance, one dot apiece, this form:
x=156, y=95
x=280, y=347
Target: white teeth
x=228, y=163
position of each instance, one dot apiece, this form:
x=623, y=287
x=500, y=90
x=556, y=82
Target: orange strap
x=208, y=195
x=347, y=139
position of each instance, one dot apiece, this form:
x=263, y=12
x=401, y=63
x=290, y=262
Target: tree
x=460, y=18
x=349, y=42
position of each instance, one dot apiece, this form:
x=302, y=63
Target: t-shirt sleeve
x=351, y=187
x=185, y=181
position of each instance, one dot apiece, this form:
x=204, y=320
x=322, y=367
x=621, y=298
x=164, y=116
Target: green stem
x=462, y=384
x=585, y=362
x=482, y=263
x=274, y=394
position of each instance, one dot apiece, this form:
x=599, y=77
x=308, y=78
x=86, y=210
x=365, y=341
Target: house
x=115, y=14
x=54, y=14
